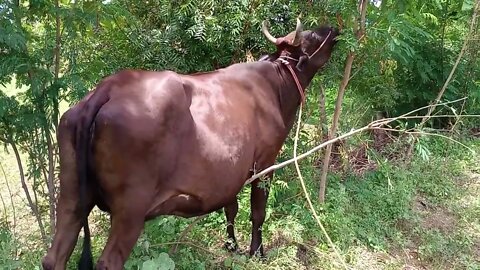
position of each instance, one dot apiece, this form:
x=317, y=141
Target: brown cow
x=144, y=144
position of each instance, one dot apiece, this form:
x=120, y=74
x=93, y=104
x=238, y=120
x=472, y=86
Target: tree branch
x=371, y=125
x=454, y=68
x=31, y=204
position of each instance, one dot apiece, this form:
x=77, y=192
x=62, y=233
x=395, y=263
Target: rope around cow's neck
x=321, y=45
x=283, y=60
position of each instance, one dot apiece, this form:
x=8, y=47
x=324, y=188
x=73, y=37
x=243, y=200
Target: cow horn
x=299, y=28
x=267, y=34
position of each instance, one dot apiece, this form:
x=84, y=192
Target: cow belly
x=183, y=205
x=191, y=195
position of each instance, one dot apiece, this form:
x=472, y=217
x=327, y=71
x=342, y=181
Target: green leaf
x=228, y=262
x=467, y=5
x=161, y=262
x=165, y=262
x=149, y=265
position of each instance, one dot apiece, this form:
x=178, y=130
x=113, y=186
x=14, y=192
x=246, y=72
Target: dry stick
x=454, y=68
x=173, y=249
x=13, y=205
x=374, y=124
x=426, y=133
x=312, y=209
x=31, y=204
x=360, y=32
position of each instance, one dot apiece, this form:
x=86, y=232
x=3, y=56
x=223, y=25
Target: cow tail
x=83, y=137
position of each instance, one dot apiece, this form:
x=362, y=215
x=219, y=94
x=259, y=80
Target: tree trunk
x=454, y=68
x=333, y=128
x=360, y=33
x=31, y=204
x=57, y=51
x=50, y=183
x=323, y=113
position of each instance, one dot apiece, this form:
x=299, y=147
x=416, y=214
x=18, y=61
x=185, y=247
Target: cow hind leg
x=69, y=223
x=127, y=221
x=230, y=213
x=258, y=201
x=68, y=219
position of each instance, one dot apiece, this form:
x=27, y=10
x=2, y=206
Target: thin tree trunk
x=454, y=68
x=323, y=113
x=333, y=128
x=50, y=146
x=31, y=204
x=57, y=40
x=14, y=211
x=50, y=183
x=360, y=33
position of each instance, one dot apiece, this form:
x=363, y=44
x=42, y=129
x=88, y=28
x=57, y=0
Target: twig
x=442, y=116
x=374, y=124
x=173, y=249
x=304, y=155
x=312, y=209
x=426, y=133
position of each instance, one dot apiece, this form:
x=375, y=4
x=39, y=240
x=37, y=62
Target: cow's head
x=311, y=48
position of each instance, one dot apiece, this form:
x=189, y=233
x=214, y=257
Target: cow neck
x=287, y=60
x=283, y=60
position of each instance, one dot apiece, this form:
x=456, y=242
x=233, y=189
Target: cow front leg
x=230, y=213
x=258, y=201
x=69, y=223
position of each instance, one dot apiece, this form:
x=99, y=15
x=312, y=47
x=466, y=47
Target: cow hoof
x=47, y=263
x=231, y=245
x=258, y=253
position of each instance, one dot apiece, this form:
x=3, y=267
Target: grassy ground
x=421, y=215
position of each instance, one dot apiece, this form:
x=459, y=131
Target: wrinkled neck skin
x=289, y=95
x=285, y=88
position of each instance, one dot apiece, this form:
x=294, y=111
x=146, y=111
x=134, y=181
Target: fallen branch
x=426, y=133
x=312, y=209
x=173, y=249
x=372, y=125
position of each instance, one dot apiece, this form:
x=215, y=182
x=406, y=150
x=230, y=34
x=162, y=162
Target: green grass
x=422, y=214
x=375, y=222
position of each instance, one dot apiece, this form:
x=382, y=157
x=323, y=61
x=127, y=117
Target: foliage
x=54, y=51
x=7, y=249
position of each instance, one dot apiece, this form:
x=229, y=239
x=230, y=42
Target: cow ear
x=302, y=62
